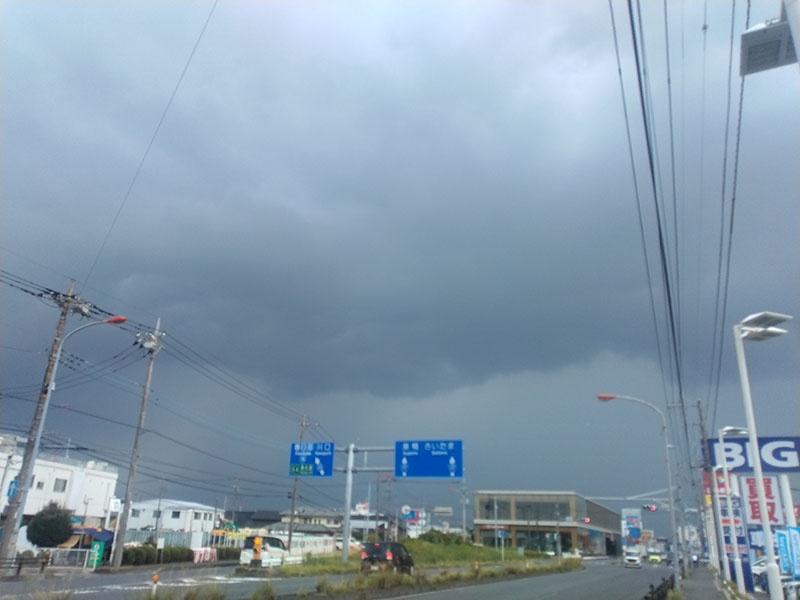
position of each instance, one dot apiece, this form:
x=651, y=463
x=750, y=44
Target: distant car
x=654, y=558
x=632, y=559
x=382, y=556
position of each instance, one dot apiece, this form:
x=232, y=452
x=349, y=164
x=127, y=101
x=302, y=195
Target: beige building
x=545, y=521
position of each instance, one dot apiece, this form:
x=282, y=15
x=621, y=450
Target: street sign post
x=311, y=459
x=428, y=458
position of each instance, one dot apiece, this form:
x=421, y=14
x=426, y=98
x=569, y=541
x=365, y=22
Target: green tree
x=50, y=527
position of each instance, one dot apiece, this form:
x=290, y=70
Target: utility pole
x=152, y=343
x=710, y=533
x=16, y=507
x=303, y=425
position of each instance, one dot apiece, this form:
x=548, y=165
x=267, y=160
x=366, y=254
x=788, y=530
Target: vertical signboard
x=794, y=545
x=733, y=525
x=631, y=525
x=784, y=552
x=752, y=509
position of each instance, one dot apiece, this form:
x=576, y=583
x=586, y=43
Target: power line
x=150, y=143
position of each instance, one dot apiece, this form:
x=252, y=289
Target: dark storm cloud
x=409, y=219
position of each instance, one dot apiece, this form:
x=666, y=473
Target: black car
x=378, y=556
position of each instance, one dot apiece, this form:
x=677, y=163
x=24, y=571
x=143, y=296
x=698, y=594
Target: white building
x=84, y=488
x=175, y=515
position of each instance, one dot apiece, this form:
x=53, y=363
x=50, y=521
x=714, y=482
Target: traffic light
x=649, y=506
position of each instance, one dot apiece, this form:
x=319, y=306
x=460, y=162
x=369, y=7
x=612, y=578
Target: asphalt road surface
x=601, y=580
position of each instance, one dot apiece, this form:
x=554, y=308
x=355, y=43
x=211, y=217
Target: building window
x=197, y=516
x=40, y=485
x=135, y=512
x=60, y=485
x=156, y=514
x=176, y=514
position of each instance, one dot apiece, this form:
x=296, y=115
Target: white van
x=273, y=552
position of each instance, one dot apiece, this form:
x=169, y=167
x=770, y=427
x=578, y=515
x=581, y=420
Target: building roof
x=172, y=504
x=307, y=512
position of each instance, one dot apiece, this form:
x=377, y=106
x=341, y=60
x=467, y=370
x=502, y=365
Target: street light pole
x=8, y=540
x=737, y=560
x=758, y=327
x=664, y=431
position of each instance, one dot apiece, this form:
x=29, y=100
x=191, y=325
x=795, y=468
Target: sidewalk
x=701, y=586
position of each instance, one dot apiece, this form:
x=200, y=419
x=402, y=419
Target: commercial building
x=545, y=521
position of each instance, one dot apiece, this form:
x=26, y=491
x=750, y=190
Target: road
x=601, y=580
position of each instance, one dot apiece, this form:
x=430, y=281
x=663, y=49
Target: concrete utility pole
x=152, y=343
x=303, y=425
x=8, y=540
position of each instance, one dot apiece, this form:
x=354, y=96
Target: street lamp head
x=116, y=319
x=605, y=397
x=731, y=430
x=764, y=320
x=759, y=334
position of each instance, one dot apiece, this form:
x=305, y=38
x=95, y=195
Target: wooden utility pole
x=8, y=540
x=303, y=425
x=151, y=342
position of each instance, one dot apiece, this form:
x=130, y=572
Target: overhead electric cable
x=150, y=144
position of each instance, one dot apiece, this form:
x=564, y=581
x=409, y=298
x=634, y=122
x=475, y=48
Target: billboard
x=778, y=454
x=632, y=525
x=750, y=499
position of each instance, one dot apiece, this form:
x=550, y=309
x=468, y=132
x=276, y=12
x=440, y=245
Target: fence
x=68, y=557
x=189, y=539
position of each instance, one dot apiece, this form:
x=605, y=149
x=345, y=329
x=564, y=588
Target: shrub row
x=147, y=555
x=228, y=553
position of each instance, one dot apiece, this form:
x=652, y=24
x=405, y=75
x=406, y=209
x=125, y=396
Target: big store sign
x=778, y=454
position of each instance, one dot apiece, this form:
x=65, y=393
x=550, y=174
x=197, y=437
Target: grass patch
x=263, y=592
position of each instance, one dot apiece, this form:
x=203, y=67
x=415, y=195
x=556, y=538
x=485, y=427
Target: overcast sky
x=405, y=220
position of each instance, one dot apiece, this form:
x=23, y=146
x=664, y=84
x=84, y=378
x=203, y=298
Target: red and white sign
x=750, y=499
x=722, y=489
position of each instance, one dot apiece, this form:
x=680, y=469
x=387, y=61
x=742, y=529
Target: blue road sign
x=428, y=458
x=12, y=488
x=311, y=459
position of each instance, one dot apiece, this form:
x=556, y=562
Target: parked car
x=632, y=559
x=377, y=556
x=759, y=570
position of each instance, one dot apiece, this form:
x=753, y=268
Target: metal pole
x=348, y=499
x=773, y=573
x=737, y=560
x=675, y=565
x=496, y=531
x=665, y=433
x=786, y=499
